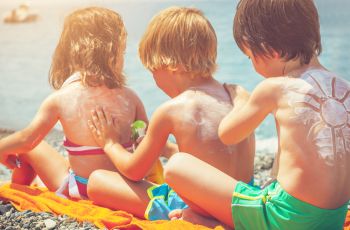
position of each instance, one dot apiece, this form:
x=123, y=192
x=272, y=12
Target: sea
x=26, y=51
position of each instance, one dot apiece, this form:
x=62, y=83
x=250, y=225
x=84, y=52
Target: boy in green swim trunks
x=311, y=107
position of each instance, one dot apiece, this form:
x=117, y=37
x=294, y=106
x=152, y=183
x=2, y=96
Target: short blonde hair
x=92, y=43
x=180, y=36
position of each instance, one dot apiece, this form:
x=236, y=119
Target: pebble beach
x=11, y=219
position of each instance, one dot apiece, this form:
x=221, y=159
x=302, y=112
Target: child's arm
x=239, y=95
x=134, y=166
x=243, y=120
x=170, y=148
x=26, y=139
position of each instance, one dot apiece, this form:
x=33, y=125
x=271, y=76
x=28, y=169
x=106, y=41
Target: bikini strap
x=74, y=77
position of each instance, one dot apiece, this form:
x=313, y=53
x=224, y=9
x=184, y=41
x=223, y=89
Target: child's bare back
x=74, y=104
x=196, y=115
x=312, y=114
x=120, y=102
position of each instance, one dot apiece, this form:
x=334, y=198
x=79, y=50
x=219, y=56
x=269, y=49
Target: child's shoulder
x=185, y=100
x=131, y=95
x=271, y=86
x=321, y=74
x=177, y=102
x=174, y=106
x=54, y=96
x=128, y=91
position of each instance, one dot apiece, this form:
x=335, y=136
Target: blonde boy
x=179, y=48
x=311, y=106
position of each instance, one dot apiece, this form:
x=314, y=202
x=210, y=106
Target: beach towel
x=347, y=221
x=41, y=200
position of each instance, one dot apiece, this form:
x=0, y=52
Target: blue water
x=26, y=50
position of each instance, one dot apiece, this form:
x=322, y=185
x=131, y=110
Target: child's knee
x=174, y=164
x=94, y=182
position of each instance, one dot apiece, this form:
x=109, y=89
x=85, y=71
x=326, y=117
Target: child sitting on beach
x=86, y=71
x=311, y=106
x=179, y=47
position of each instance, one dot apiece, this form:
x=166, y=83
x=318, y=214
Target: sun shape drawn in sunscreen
x=326, y=110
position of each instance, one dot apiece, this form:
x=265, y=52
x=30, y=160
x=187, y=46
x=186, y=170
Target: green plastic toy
x=138, y=129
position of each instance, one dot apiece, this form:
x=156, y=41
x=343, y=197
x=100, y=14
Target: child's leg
x=23, y=175
x=169, y=149
x=110, y=189
x=195, y=208
x=47, y=163
x=194, y=217
x=201, y=184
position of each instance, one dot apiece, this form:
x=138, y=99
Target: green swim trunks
x=273, y=208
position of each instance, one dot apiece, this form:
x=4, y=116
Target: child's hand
x=239, y=96
x=103, y=127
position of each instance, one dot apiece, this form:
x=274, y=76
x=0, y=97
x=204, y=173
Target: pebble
x=5, y=208
x=49, y=224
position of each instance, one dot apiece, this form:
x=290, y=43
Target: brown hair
x=180, y=36
x=289, y=27
x=92, y=43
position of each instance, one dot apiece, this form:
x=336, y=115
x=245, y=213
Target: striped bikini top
x=75, y=149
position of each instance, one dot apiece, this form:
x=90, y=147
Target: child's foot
x=191, y=216
x=38, y=182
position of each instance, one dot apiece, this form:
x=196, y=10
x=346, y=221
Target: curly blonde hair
x=180, y=36
x=92, y=43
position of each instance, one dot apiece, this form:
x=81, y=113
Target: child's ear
x=275, y=54
x=172, y=68
x=178, y=69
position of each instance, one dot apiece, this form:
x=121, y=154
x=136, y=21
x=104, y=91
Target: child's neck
x=197, y=83
x=293, y=68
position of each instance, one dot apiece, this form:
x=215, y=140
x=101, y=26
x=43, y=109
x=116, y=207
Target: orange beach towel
x=42, y=200
x=347, y=221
